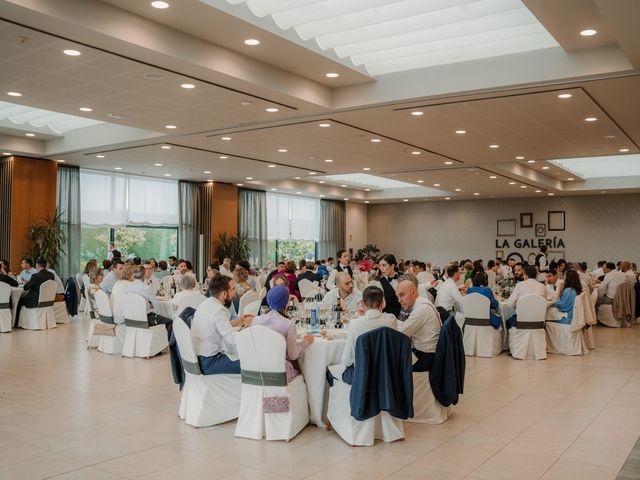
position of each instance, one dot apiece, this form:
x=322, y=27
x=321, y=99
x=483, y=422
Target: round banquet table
x=313, y=363
x=164, y=308
x=15, y=297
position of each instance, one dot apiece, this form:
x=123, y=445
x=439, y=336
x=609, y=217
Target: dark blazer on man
x=7, y=279
x=31, y=293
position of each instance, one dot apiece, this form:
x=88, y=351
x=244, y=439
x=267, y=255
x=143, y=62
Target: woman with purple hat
x=276, y=319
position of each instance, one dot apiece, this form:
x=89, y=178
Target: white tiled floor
x=72, y=413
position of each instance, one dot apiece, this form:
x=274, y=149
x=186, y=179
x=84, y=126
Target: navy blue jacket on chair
x=382, y=377
x=71, y=297
x=446, y=376
x=174, y=354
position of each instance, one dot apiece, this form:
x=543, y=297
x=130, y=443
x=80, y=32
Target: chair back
x=185, y=347
x=308, y=289
x=252, y=308
x=116, y=300
x=476, y=306
x=245, y=300
x=263, y=293
x=79, y=285
x=105, y=313
x=261, y=349
x=134, y=307
x=580, y=312
x=86, y=283
x=423, y=290
x=47, y=293
x=192, y=300
x=491, y=278
x=166, y=282
x=531, y=308
x=5, y=294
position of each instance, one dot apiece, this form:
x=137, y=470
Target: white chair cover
x=81, y=298
x=245, y=300
x=426, y=409
x=605, y=316
x=526, y=343
x=166, y=283
x=262, y=358
x=87, y=284
x=141, y=340
x=60, y=312
x=588, y=333
x=109, y=345
x=6, y=319
x=262, y=293
x=92, y=340
x=358, y=433
x=43, y=316
x=252, y=308
x=308, y=289
x=479, y=337
x=423, y=291
x=491, y=278
x=566, y=339
x=206, y=399
x=191, y=300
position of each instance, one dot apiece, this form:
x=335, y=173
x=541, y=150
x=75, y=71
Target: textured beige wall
x=356, y=225
x=596, y=227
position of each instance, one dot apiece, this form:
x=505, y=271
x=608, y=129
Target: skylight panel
x=602, y=167
x=53, y=122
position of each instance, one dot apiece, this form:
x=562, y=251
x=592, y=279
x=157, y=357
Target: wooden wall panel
x=33, y=196
x=224, y=210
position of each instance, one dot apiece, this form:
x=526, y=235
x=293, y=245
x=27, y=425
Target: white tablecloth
x=15, y=297
x=314, y=362
x=164, y=308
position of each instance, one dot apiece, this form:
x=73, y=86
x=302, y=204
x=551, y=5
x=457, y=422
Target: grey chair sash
x=266, y=379
x=45, y=304
x=477, y=322
x=190, y=367
x=5, y=306
x=530, y=325
x=105, y=319
x=136, y=323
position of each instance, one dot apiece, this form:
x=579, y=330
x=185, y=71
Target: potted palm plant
x=47, y=239
x=235, y=247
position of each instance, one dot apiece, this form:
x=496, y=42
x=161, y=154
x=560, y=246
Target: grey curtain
x=6, y=182
x=332, y=227
x=68, y=205
x=188, y=205
x=205, y=216
x=252, y=221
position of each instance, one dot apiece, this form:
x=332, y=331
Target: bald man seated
x=419, y=320
x=348, y=296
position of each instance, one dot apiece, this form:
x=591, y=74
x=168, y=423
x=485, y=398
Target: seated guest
x=141, y=288
x=306, y=271
x=419, y=320
x=120, y=287
x=322, y=270
x=163, y=270
x=373, y=303
x=468, y=271
x=225, y=268
x=518, y=271
x=27, y=270
x=598, y=273
x=529, y=286
x=29, y=298
x=292, y=280
x=153, y=264
x=182, y=268
x=586, y=280
x=113, y=276
x=278, y=271
x=480, y=285
x=187, y=287
x=423, y=275
x=251, y=274
x=172, y=262
x=60, y=289
x=562, y=268
x=137, y=261
x=116, y=254
x=625, y=267
x=210, y=332
x=344, y=292
x=106, y=266
x=5, y=276
x=329, y=264
x=388, y=282
x=612, y=280
x=562, y=309
x=96, y=275
x=449, y=296
x=553, y=285
x=343, y=266
x=276, y=319
x=241, y=277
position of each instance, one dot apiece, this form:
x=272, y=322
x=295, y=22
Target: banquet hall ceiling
x=132, y=81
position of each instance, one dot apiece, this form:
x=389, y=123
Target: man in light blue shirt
x=27, y=270
x=113, y=276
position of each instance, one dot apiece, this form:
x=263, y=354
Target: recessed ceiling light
x=366, y=169
x=246, y=103
x=153, y=76
x=72, y=53
x=239, y=184
x=494, y=146
x=448, y=162
x=312, y=173
x=565, y=95
x=117, y=116
x=165, y=147
x=550, y=194
x=324, y=125
x=376, y=140
x=321, y=196
x=226, y=139
x=299, y=193
x=271, y=165
x=590, y=119
x=188, y=86
x=252, y=42
x=61, y=161
x=274, y=189
x=447, y=198
x=345, y=199
x=249, y=178
x=223, y=157
x=417, y=113
x=523, y=186
x=297, y=178
x=623, y=150
x=538, y=191
x=167, y=174
x=603, y=191
x=531, y=161
x=120, y=168
x=405, y=199
x=545, y=168
x=519, y=157
x=170, y=127
x=588, y=32
x=367, y=201
x=367, y=189
x=609, y=136
x=283, y=150
x=99, y=156
x=6, y=153
x=476, y=193
x=14, y=94
x=321, y=181
x=436, y=184
x=492, y=177
x=271, y=109
x=420, y=181
x=157, y=164
x=85, y=109
x=30, y=134
x=159, y=5
x=461, y=132
x=332, y=75
x=416, y=152
x=570, y=179
x=328, y=160
x=458, y=189
x=512, y=183
x=206, y=171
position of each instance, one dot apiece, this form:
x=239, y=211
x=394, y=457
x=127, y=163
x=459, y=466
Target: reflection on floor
x=72, y=413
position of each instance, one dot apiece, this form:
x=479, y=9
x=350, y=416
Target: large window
x=283, y=250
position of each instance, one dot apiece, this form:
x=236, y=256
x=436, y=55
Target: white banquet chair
x=86, y=283
x=527, y=341
x=262, y=293
x=141, y=339
x=567, y=339
x=6, y=319
x=206, y=399
x=423, y=291
x=41, y=317
x=92, y=340
x=106, y=344
x=308, y=289
x=252, y=308
x=245, y=300
x=491, y=278
x=166, y=283
x=426, y=409
x=82, y=299
x=191, y=300
x=480, y=338
x=591, y=320
x=60, y=311
x=262, y=360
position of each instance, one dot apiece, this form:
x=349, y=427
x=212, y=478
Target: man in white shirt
x=529, y=286
x=180, y=271
x=449, y=296
x=373, y=303
x=599, y=272
x=419, y=320
x=110, y=279
x=212, y=327
x=553, y=285
x=612, y=280
x=343, y=266
x=350, y=298
x=225, y=268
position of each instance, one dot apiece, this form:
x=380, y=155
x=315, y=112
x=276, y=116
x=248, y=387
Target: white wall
x=356, y=226
x=596, y=227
